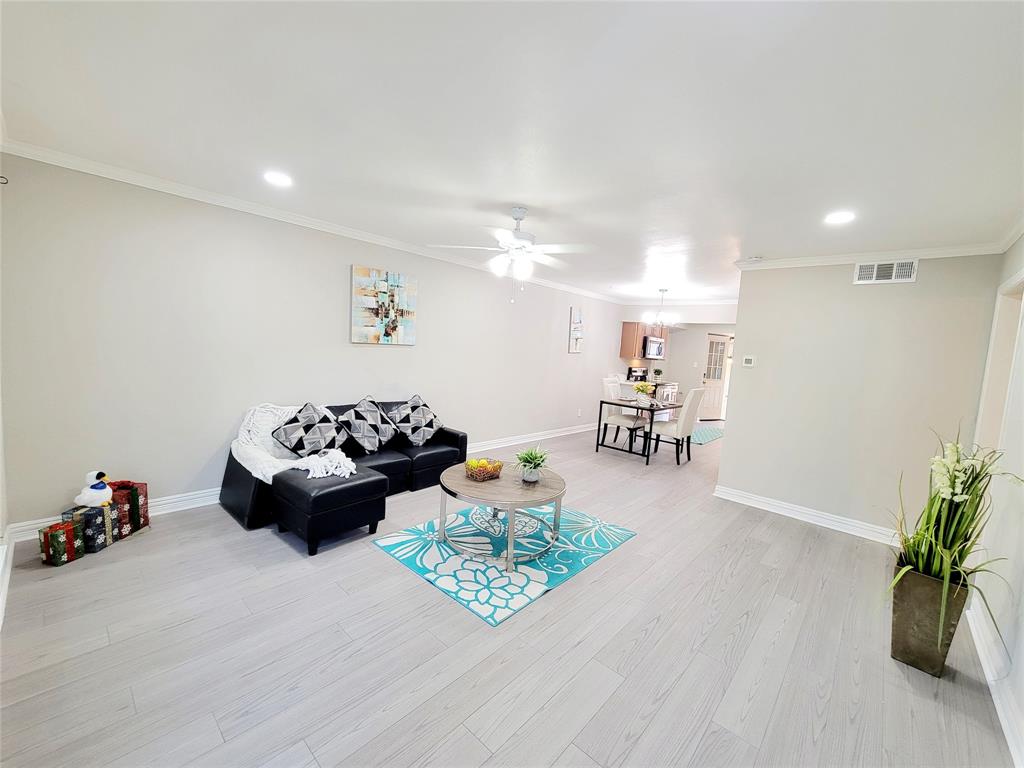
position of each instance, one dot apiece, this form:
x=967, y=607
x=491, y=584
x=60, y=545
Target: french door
x=716, y=373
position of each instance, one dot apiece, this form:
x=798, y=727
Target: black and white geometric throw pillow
x=415, y=420
x=310, y=431
x=368, y=425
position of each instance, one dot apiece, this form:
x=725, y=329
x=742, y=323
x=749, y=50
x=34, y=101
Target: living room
x=314, y=383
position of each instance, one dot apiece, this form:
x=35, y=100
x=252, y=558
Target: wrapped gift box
x=74, y=515
x=112, y=523
x=133, y=498
x=61, y=542
x=121, y=518
x=94, y=531
x=101, y=526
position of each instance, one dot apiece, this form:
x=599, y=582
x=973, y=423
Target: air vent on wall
x=885, y=272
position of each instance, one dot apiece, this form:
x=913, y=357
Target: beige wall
x=688, y=354
x=851, y=379
x=138, y=327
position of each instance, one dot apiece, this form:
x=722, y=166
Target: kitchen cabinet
x=632, y=341
x=631, y=347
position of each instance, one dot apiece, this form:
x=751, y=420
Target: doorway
x=717, y=370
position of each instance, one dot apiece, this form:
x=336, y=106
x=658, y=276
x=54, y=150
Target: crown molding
x=83, y=165
x=1014, y=235
x=982, y=249
x=639, y=304
x=75, y=163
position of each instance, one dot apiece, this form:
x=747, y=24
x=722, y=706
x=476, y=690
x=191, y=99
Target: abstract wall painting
x=383, y=307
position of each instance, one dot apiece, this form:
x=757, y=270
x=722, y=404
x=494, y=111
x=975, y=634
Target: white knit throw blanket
x=256, y=449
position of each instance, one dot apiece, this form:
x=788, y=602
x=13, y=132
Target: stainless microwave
x=654, y=348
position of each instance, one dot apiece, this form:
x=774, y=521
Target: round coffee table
x=508, y=494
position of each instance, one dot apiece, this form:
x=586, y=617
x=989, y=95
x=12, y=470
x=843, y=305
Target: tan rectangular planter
x=916, y=600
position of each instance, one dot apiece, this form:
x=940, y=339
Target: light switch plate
x=749, y=361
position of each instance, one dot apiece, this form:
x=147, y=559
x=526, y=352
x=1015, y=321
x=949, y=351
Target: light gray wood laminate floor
x=719, y=636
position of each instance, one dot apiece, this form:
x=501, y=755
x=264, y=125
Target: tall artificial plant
x=948, y=532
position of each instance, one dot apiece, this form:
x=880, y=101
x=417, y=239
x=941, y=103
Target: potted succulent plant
x=530, y=463
x=933, y=576
x=657, y=374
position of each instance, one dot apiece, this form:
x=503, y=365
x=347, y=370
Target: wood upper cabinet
x=632, y=345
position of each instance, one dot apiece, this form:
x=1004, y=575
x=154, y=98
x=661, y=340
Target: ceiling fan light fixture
x=522, y=268
x=522, y=239
x=499, y=264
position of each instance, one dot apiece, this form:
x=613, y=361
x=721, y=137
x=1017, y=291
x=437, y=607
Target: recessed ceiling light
x=277, y=179
x=840, y=217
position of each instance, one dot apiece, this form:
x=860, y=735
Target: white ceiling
x=715, y=131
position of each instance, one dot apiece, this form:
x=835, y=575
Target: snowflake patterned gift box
x=109, y=515
x=132, y=497
x=94, y=530
x=61, y=542
x=100, y=526
x=112, y=523
x=74, y=515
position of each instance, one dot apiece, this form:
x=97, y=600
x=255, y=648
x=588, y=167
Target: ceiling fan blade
x=548, y=261
x=560, y=248
x=468, y=247
x=503, y=236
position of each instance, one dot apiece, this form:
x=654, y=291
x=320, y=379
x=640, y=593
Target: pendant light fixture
x=661, y=317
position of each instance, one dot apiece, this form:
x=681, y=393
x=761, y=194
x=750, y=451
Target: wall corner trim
x=996, y=665
x=6, y=562
x=864, y=530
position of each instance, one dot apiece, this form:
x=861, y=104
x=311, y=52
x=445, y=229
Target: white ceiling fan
x=518, y=249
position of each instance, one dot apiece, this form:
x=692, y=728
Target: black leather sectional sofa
x=322, y=507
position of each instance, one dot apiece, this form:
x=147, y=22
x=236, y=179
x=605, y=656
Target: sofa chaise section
x=299, y=504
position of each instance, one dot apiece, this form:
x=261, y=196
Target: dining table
x=654, y=407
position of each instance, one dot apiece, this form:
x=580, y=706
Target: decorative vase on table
x=933, y=577
x=644, y=401
x=530, y=462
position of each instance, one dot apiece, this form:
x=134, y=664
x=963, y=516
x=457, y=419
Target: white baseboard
x=29, y=529
x=533, y=437
x=996, y=664
x=824, y=519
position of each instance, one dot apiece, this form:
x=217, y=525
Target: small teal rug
x=481, y=583
x=702, y=435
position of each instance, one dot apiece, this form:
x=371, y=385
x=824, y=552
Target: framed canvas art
x=383, y=307
x=575, y=330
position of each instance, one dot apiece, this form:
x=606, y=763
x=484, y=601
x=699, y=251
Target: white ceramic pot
x=531, y=475
x=644, y=401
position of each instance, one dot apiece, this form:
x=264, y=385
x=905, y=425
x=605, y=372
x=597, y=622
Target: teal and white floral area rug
x=702, y=434
x=481, y=583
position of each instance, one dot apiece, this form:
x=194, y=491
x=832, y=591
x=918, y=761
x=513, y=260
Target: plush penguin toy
x=96, y=492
